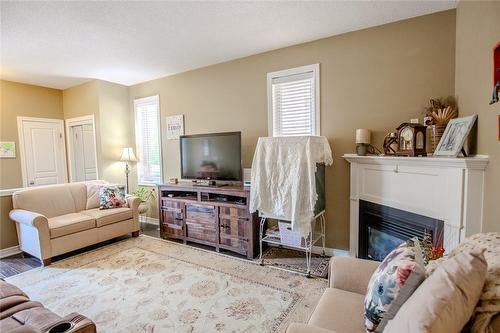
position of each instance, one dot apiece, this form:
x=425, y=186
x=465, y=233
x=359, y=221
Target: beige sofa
x=341, y=308
x=56, y=219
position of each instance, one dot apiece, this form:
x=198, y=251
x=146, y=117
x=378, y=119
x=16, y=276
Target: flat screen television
x=215, y=156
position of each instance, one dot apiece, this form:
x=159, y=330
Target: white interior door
x=43, y=157
x=77, y=159
x=82, y=153
x=83, y=161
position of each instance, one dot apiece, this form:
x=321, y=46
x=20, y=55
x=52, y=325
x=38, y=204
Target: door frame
x=83, y=120
x=22, y=152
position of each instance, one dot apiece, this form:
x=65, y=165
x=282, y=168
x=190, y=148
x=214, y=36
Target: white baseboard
x=149, y=220
x=331, y=252
x=316, y=249
x=10, y=251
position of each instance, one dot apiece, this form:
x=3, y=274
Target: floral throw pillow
x=397, y=277
x=112, y=197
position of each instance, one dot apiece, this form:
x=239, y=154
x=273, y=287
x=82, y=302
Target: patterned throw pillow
x=112, y=197
x=397, y=277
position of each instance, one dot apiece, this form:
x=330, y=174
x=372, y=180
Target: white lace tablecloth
x=283, y=178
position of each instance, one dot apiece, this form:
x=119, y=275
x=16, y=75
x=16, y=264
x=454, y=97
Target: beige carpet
x=150, y=285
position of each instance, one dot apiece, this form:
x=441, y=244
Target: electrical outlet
x=414, y=121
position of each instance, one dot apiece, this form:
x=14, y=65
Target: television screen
x=211, y=156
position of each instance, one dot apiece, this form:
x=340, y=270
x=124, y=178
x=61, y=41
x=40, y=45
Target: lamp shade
x=363, y=136
x=128, y=155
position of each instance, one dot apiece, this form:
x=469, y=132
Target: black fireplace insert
x=383, y=228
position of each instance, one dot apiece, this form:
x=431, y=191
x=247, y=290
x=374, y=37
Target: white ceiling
x=62, y=44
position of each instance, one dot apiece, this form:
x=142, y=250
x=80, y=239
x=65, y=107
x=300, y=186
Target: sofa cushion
x=52, y=200
x=107, y=216
x=93, y=190
x=303, y=328
x=487, y=311
x=69, y=224
x=339, y=310
x=445, y=301
x=394, y=281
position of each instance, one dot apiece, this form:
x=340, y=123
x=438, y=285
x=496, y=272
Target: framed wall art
x=175, y=127
x=7, y=149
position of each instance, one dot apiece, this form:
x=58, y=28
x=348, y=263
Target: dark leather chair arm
x=78, y=322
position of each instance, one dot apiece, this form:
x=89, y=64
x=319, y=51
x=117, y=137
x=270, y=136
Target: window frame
x=314, y=68
x=138, y=102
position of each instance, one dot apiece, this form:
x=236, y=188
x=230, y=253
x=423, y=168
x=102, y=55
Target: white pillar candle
x=363, y=136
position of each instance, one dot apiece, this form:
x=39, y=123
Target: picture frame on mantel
x=453, y=139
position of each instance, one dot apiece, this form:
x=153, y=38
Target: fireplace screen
x=382, y=229
x=381, y=243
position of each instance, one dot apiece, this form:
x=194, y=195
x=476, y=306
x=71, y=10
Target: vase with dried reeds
x=439, y=114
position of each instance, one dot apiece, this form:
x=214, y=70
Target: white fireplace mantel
x=448, y=189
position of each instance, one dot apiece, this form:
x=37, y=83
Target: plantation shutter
x=147, y=128
x=293, y=104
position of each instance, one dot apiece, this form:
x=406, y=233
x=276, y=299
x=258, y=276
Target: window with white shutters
x=147, y=136
x=293, y=101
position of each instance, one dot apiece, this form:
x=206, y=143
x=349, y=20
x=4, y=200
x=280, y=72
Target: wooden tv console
x=215, y=216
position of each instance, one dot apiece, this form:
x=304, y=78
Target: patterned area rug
x=295, y=260
x=150, y=285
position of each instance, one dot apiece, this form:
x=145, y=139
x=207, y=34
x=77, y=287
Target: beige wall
x=19, y=99
x=8, y=233
x=478, y=31
x=83, y=100
x=115, y=129
x=108, y=102
x=374, y=78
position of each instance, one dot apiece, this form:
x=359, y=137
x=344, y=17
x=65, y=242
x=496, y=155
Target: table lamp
x=362, y=141
x=127, y=156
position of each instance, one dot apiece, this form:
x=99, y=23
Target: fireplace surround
x=383, y=228
x=442, y=188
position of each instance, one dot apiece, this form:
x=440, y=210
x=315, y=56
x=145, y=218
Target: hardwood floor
x=17, y=264
x=20, y=263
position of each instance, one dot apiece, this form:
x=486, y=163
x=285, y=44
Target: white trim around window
x=146, y=177
x=277, y=84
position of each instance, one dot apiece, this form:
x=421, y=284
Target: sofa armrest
x=351, y=274
x=35, y=243
x=28, y=218
x=303, y=328
x=133, y=203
